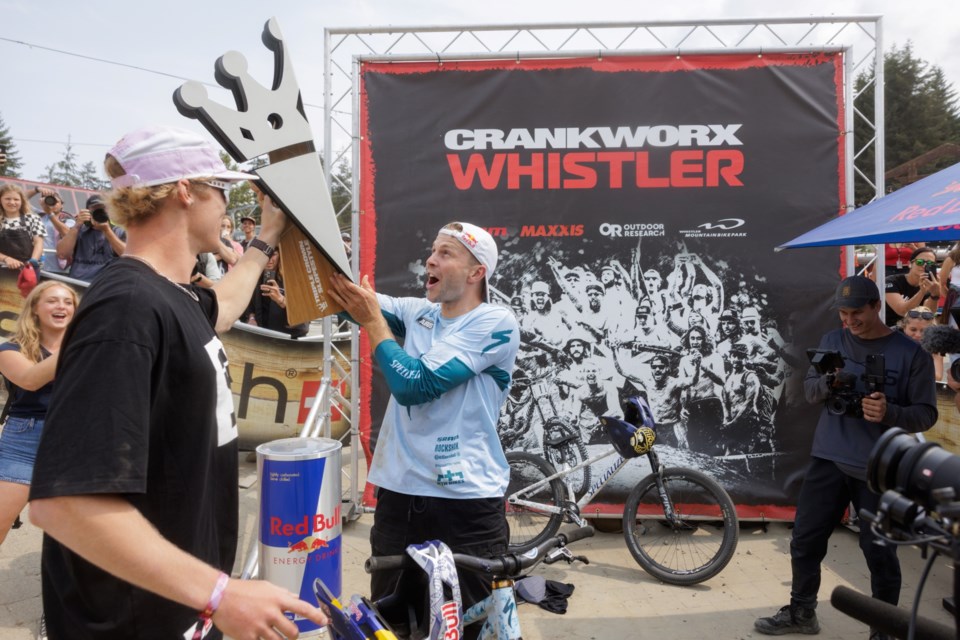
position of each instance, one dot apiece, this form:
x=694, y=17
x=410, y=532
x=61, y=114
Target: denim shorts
x=18, y=448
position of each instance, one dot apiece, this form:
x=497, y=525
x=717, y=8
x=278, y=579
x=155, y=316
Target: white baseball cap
x=160, y=154
x=479, y=243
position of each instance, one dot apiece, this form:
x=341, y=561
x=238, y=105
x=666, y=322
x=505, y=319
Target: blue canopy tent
x=927, y=210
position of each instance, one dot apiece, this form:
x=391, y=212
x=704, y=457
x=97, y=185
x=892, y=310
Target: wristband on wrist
x=257, y=243
x=216, y=596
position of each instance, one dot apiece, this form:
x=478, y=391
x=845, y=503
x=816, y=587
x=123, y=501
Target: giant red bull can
x=300, y=526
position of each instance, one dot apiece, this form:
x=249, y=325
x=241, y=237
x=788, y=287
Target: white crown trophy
x=272, y=122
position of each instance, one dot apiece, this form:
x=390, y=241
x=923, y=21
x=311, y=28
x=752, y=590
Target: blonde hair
x=15, y=188
x=132, y=205
x=905, y=320
x=27, y=331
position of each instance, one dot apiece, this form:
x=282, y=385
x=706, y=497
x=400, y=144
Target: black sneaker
x=789, y=619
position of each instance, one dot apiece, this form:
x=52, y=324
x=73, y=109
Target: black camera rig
x=844, y=398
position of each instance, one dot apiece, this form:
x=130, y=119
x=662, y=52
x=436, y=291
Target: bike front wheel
x=692, y=544
x=529, y=526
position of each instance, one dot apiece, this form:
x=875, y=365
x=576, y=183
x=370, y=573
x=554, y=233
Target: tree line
x=921, y=114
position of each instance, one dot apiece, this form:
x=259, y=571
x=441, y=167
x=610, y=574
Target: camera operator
x=901, y=395
x=92, y=243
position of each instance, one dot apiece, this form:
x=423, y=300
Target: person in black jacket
x=906, y=398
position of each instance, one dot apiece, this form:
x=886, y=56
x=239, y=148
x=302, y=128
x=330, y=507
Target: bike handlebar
x=508, y=564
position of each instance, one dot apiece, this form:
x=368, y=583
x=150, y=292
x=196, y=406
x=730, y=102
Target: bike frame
x=500, y=611
x=517, y=497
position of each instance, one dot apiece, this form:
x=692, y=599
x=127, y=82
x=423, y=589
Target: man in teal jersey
x=439, y=466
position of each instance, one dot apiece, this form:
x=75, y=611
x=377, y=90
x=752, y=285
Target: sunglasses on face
x=926, y=315
x=920, y=262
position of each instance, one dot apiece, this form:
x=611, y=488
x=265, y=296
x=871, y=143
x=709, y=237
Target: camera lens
x=50, y=200
x=99, y=214
x=916, y=469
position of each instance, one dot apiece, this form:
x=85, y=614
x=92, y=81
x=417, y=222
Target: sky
x=51, y=98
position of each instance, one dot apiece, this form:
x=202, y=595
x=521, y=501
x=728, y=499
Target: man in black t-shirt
x=135, y=484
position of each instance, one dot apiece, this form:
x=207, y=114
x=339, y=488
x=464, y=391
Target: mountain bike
x=562, y=445
x=679, y=524
x=441, y=616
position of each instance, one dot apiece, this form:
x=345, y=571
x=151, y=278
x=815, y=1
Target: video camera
x=919, y=486
x=844, y=398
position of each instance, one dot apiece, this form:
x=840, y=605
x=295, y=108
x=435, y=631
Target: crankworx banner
x=636, y=202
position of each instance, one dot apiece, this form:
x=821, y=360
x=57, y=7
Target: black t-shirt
x=898, y=284
x=142, y=409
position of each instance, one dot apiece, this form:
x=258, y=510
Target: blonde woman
x=21, y=231
x=27, y=363
x=914, y=324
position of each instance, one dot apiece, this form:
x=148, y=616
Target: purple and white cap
x=161, y=154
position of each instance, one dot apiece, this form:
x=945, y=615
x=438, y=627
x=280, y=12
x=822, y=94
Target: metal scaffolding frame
x=346, y=49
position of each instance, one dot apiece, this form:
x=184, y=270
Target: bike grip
x=578, y=534
x=387, y=563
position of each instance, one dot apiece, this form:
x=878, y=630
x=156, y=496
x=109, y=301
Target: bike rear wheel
x=569, y=454
x=697, y=542
x=528, y=526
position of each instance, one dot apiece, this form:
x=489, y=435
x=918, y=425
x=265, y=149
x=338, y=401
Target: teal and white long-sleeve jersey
x=447, y=383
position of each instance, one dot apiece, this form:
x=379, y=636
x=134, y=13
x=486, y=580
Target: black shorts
x=476, y=526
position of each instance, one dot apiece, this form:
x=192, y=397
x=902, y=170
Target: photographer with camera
x=869, y=378
x=92, y=243
x=57, y=223
x=905, y=291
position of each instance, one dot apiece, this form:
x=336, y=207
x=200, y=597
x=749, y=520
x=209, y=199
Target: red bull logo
x=310, y=524
x=308, y=545
x=451, y=617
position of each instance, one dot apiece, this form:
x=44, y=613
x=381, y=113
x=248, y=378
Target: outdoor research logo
x=723, y=228
x=654, y=229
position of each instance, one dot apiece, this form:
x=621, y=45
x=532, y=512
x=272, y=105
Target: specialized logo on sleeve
x=226, y=419
x=500, y=337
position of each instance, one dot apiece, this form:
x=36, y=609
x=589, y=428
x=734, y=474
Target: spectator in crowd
x=28, y=362
x=912, y=289
x=22, y=231
x=139, y=510
x=836, y=474
x=56, y=223
x=249, y=227
x=913, y=325
x=896, y=256
x=229, y=253
x=206, y=271
x=448, y=383
x=92, y=243
x=347, y=244
x=950, y=284
x=269, y=302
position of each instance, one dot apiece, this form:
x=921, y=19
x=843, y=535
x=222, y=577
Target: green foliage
x=69, y=173
x=13, y=164
x=242, y=200
x=920, y=110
